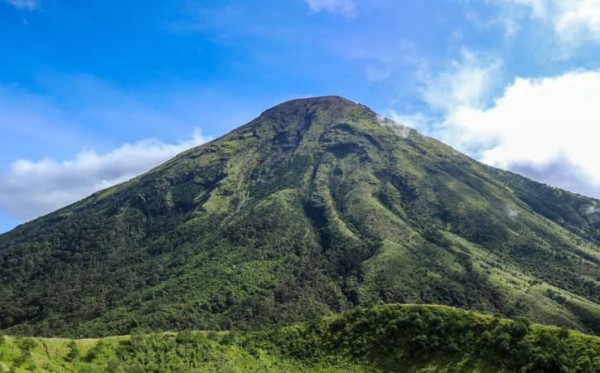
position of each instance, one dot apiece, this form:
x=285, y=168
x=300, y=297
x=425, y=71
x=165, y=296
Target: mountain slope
x=316, y=206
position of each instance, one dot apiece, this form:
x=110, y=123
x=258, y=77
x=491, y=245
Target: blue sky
x=95, y=92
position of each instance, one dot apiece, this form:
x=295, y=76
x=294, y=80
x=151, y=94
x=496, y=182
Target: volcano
x=317, y=206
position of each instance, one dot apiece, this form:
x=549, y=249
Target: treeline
x=391, y=338
x=394, y=336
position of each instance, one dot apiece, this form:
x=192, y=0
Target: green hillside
x=390, y=338
x=315, y=207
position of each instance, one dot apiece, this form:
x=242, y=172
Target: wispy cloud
x=573, y=21
x=470, y=80
x=25, y=4
x=33, y=188
x=418, y=121
x=580, y=19
x=343, y=7
x=465, y=82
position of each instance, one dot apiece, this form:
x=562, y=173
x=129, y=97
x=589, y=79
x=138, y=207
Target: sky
x=93, y=93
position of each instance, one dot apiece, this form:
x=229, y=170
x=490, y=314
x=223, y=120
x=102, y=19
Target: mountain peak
x=310, y=104
x=325, y=101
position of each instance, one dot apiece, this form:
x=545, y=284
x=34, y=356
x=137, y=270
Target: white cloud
x=579, y=19
x=400, y=129
x=465, y=83
x=547, y=128
x=25, y=4
x=511, y=211
x=590, y=209
x=417, y=121
x=33, y=188
x=343, y=7
x=573, y=21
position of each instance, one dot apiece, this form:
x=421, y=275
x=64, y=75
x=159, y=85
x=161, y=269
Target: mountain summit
x=317, y=206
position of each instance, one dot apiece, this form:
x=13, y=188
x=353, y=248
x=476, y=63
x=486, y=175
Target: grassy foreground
x=391, y=338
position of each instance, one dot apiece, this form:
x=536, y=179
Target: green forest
x=390, y=338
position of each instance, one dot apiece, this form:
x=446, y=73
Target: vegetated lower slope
x=390, y=338
x=317, y=206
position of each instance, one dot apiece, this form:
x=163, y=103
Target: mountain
x=317, y=206
x=389, y=338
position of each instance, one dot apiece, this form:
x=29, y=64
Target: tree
x=74, y=352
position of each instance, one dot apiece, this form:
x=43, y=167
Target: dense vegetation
x=390, y=338
x=314, y=208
